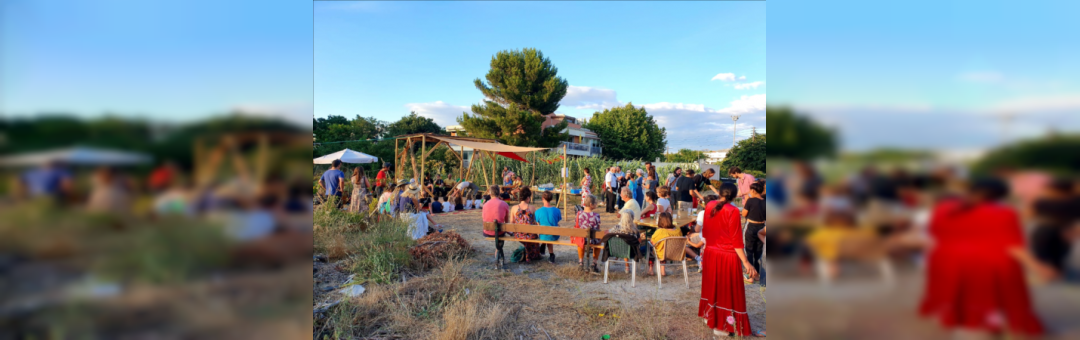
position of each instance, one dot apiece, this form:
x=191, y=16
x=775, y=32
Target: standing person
x=380, y=179
x=975, y=276
x=703, y=181
x=108, y=194
x=161, y=179
x=1055, y=213
x=333, y=181
x=754, y=213
x=744, y=180
x=638, y=181
x=611, y=183
x=549, y=216
x=495, y=210
x=359, y=202
x=621, y=177
x=51, y=180
x=651, y=181
x=723, y=293
x=587, y=219
x=684, y=192
x=672, y=177
x=586, y=183
x=523, y=213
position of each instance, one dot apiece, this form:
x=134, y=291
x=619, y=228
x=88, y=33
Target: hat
x=402, y=182
x=412, y=189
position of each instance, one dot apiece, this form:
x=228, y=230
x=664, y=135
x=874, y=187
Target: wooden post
x=412, y=156
x=494, y=168
x=483, y=170
x=532, y=182
x=423, y=160
x=396, y=168
x=461, y=161
x=565, y=193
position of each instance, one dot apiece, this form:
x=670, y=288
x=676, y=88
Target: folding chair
x=617, y=248
x=674, y=250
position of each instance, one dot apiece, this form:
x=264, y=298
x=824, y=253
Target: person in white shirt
x=447, y=206
x=663, y=204
x=468, y=205
x=612, y=183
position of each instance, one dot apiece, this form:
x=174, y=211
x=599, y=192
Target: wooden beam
x=432, y=149
x=423, y=160
x=537, y=229
x=396, y=168
x=413, y=155
x=494, y=167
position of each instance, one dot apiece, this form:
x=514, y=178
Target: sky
x=928, y=74
x=169, y=61
x=690, y=64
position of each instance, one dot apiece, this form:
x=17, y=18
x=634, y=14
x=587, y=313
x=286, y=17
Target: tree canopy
x=628, y=132
x=800, y=137
x=684, y=156
x=522, y=88
x=1055, y=153
x=748, y=154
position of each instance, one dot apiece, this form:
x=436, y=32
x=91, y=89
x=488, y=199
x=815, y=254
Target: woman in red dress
x=974, y=277
x=723, y=297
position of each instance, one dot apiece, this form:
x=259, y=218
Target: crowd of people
x=728, y=251
x=979, y=240
x=269, y=221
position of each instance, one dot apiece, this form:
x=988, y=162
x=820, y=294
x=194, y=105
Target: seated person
x=468, y=205
x=694, y=244
x=448, y=206
x=457, y=203
x=833, y=241
x=477, y=202
x=664, y=229
x=437, y=207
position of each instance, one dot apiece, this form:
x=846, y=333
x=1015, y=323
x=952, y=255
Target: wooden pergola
x=488, y=147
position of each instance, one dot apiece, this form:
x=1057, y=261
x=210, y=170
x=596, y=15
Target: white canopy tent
x=347, y=156
x=78, y=155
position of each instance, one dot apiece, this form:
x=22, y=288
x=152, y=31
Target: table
x=649, y=226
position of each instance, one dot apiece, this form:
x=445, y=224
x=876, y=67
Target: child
x=457, y=203
x=384, y=201
x=665, y=229
x=437, y=207
x=477, y=203
x=447, y=206
x=650, y=205
x=826, y=241
x=549, y=216
x=662, y=204
x=468, y=204
x=587, y=219
x=694, y=244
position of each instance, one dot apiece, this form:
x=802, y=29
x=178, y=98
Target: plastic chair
x=674, y=250
x=618, y=249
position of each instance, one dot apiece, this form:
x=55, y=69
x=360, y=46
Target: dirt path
x=619, y=290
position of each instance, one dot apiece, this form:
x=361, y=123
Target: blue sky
x=928, y=74
x=385, y=59
x=164, y=60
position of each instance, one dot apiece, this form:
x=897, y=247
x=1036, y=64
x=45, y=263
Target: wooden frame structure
x=206, y=161
x=402, y=156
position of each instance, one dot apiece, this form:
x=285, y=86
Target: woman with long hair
x=359, y=202
x=672, y=177
x=586, y=183
x=524, y=213
x=723, y=296
x=975, y=270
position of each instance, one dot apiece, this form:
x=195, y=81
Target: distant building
x=715, y=157
x=583, y=142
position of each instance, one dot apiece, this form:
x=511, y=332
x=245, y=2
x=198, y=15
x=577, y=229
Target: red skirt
x=723, y=294
x=976, y=289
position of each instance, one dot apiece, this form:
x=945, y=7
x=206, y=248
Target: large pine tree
x=522, y=88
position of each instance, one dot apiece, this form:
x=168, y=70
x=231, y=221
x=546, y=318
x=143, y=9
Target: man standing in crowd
x=51, y=180
x=611, y=183
x=380, y=179
x=685, y=191
x=333, y=181
x=621, y=177
x=703, y=181
x=743, y=180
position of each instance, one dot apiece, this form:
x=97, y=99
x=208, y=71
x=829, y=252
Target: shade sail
x=77, y=156
x=347, y=156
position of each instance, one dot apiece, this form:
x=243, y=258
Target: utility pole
x=753, y=131
x=734, y=128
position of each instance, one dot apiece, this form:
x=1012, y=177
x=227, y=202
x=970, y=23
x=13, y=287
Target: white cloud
x=442, y=113
x=590, y=98
x=985, y=77
x=742, y=78
x=1038, y=104
x=724, y=77
x=698, y=127
x=747, y=86
x=746, y=105
x=299, y=114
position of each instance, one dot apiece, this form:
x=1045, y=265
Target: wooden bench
x=563, y=233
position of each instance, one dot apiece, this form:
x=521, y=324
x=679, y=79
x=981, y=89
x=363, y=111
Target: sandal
x=759, y=334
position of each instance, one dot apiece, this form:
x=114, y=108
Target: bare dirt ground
x=677, y=303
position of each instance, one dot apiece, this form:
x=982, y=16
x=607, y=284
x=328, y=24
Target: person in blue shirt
x=548, y=216
x=333, y=181
x=774, y=190
x=51, y=180
x=637, y=187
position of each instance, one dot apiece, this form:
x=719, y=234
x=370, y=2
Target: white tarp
x=76, y=156
x=347, y=156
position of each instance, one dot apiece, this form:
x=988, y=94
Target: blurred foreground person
x=51, y=180
x=723, y=294
x=109, y=193
x=1055, y=213
x=975, y=280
